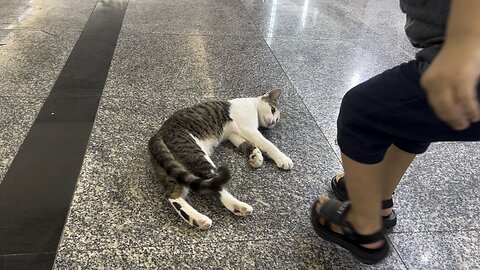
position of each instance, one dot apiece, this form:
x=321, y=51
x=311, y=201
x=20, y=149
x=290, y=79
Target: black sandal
x=340, y=191
x=334, y=211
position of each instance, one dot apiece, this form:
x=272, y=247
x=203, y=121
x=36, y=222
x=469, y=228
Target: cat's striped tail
x=162, y=155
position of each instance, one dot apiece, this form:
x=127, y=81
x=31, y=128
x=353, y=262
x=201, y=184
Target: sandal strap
x=334, y=211
x=341, y=182
x=349, y=232
x=342, y=186
x=387, y=203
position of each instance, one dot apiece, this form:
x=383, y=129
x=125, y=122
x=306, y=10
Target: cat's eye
x=273, y=110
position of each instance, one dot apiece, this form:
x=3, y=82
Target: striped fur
x=177, y=153
x=162, y=155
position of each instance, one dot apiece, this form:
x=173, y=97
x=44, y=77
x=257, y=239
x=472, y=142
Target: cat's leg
x=235, y=206
x=255, y=137
x=177, y=196
x=255, y=157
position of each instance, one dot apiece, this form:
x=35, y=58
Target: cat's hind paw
x=197, y=220
x=190, y=215
x=237, y=207
x=255, y=159
x=242, y=209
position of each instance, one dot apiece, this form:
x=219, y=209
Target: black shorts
x=392, y=108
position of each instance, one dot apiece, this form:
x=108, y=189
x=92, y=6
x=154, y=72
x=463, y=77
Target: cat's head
x=268, y=109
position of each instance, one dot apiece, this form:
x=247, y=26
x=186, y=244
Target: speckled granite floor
x=175, y=53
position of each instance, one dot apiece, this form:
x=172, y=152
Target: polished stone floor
x=174, y=53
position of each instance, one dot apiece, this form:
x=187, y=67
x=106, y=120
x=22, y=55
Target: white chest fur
x=207, y=145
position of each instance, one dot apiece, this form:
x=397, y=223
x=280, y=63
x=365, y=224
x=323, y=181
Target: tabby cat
x=181, y=149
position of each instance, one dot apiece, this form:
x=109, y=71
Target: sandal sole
x=367, y=256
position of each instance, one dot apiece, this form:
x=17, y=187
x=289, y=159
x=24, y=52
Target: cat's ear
x=273, y=95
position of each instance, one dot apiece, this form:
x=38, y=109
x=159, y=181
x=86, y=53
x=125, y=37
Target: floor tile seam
x=27, y=28
x=56, y=34
x=140, y=98
x=328, y=40
x=286, y=6
x=303, y=101
x=33, y=29
x=78, y=30
x=26, y=254
x=262, y=35
x=367, y=25
x=55, y=95
x=186, y=243
x=322, y=98
x=307, y=38
x=256, y=22
x=307, y=96
x=20, y=96
x=395, y=249
x=370, y=24
x=262, y=31
x=435, y=231
x=374, y=28
x=128, y=31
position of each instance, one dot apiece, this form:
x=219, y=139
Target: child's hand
x=451, y=84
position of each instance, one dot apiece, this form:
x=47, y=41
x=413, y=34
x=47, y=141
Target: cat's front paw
x=284, y=162
x=202, y=223
x=255, y=159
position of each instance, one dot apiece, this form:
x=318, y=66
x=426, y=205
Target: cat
x=180, y=151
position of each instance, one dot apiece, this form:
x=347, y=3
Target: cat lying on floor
x=181, y=149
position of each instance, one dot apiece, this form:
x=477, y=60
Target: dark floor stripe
x=37, y=190
x=32, y=261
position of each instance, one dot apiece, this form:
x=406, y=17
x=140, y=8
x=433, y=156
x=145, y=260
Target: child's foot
x=340, y=190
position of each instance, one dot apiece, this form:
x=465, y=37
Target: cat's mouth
x=270, y=124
